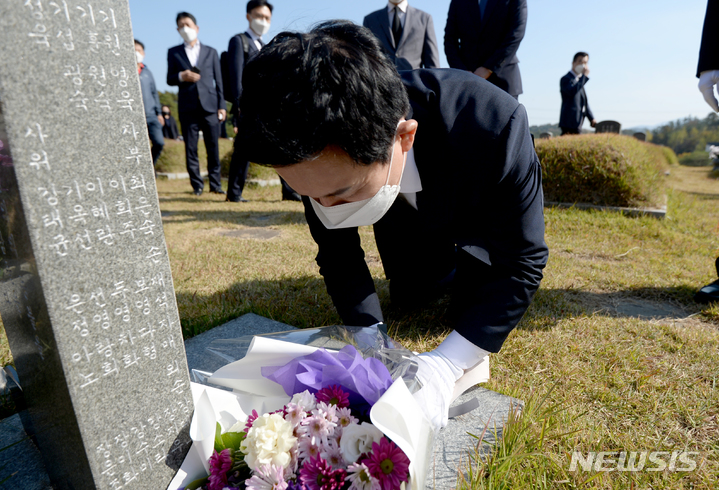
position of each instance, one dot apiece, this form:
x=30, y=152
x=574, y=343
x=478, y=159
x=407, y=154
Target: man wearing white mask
x=195, y=68
x=151, y=102
x=575, y=105
x=242, y=47
x=440, y=162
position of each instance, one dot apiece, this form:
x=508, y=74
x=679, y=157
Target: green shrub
x=172, y=160
x=604, y=169
x=695, y=159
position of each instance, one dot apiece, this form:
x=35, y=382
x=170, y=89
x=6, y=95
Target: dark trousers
x=239, y=166
x=192, y=123
x=154, y=128
x=418, y=262
x=570, y=131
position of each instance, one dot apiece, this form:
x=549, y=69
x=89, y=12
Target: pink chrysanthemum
x=250, y=420
x=317, y=474
x=345, y=418
x=295, y=414
x=307, y=450
x=332, y=453
x=317, y=428
x=267, y=477
x=388, y=464
x=334, y=395
x=220, y=464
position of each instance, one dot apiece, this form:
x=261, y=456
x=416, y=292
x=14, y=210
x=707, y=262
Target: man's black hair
x=140, y=44
x=580, y=54
x=253, y=4
x=183, y=15
x=332, y=86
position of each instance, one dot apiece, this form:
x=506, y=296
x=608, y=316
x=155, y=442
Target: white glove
x=441, y=369
x=707, y=81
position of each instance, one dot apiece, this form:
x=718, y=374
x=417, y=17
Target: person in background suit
x=195, y=68
x=482, y=36
x=151, y=101
x=708, y=74
x=443, y=167
x=407, y=35
x=241, y=49
x=575, y=104
x=169, y=130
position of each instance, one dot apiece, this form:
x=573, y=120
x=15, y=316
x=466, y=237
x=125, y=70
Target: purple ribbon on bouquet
x=365, y=379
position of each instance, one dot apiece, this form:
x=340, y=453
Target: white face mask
x=188, y=34
x=260, y=26
x=579, y=69
x=360, y=213
x=139, y=56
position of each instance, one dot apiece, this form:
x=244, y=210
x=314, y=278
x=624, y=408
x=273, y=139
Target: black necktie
x=396, y=27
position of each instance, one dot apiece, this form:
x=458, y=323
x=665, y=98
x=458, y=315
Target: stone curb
x=185, y=176
x=659, y=213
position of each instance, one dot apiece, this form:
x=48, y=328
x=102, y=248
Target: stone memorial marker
x=608, y=127
x=86, y=294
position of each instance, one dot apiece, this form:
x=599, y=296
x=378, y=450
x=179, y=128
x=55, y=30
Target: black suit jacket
x=236, y=61
x=481, y=188
x=417, y=46
x=709, y=51
x=471, y=41
x=575, y=104
x=205, y=94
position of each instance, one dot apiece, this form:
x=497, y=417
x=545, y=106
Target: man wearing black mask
x=169, y=130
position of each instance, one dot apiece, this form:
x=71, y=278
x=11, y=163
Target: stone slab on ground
x=22, y=462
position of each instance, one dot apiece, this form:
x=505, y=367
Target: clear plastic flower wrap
x=259, y=370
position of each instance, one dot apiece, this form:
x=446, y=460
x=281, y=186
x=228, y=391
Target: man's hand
x=189, y=76
x=235, y=129
x=707, y=80
x=593, y=123
x=161, y=119
x=221, y=114
x=586, y=71
x=483, y=72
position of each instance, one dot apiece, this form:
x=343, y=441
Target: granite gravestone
x=86, y=294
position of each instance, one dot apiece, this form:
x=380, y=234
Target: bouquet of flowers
x=324, y=420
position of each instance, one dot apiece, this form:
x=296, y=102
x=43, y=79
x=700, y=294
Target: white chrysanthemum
x=360, y=479
x=307, y=450
x=295, y=414
x=345, y=418
x=357, y=440
x=305, y=399
x=269, y=441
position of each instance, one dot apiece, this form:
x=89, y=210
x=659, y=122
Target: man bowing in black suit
x=195, y=68
x=440, y=162
x=575, y=105
x=482, y=36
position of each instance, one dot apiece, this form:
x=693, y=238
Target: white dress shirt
x=255, y=38
x=193, y=52
x=402, y=6
x=410, y=184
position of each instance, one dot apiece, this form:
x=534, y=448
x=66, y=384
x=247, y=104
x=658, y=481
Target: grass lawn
x=593, y=377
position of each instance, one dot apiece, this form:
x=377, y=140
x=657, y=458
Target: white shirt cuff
x=463, y=353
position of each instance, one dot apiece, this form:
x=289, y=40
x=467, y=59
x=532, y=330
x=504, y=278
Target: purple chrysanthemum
x=250, y=420
x=317, y=474
x=334, y=395
x=388, y=464
x=220, y=464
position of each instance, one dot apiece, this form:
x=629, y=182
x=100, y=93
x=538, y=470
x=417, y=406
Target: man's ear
x=407, y=131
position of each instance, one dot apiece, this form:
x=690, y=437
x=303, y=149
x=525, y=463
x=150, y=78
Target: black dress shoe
x=291, y=197
x=198, y=192
x=708, y=293
x=217, y=191
x=239, y=199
